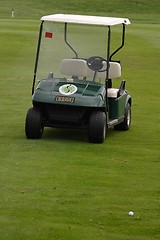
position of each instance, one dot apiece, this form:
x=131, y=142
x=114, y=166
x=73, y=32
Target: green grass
x=62, y=187
x=137, y=10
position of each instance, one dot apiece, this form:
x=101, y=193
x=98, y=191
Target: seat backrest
x=114, y=71
x=78, y=67
x=74, y=67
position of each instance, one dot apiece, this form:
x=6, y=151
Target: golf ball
x=131, y=213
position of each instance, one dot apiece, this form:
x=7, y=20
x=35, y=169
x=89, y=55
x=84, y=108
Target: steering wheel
x=95, y=63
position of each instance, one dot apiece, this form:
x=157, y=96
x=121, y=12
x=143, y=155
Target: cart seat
x=78, y=68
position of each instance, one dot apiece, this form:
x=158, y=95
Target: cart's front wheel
x=34, y=123
x=97, y=127
x=125, y=125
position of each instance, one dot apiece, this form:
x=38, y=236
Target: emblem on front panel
x=68, y=89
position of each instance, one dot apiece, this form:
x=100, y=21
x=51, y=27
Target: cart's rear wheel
x=34, y=123
x=125, y=125
x=97, y=127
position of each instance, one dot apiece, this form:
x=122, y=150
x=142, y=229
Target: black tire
x=97, y=127
x=125, y=125
x=34, y=123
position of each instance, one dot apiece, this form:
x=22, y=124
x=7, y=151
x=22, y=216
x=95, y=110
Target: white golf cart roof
x=84, y=19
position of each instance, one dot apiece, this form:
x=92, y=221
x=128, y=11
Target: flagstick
x=12, y=13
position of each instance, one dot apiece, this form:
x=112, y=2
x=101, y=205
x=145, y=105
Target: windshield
x=86, y=41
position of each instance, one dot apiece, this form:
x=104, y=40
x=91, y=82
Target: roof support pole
x=122, y=42
x=65, y=39
x=107, y=72
x=108, y=52
x=37, y=56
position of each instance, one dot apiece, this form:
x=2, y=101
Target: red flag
x=48, y=34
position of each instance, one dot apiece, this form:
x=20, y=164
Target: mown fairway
x=62, y=187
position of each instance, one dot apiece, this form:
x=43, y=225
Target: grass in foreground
x=61, y=187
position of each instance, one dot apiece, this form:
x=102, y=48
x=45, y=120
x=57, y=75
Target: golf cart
x=73, y=75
